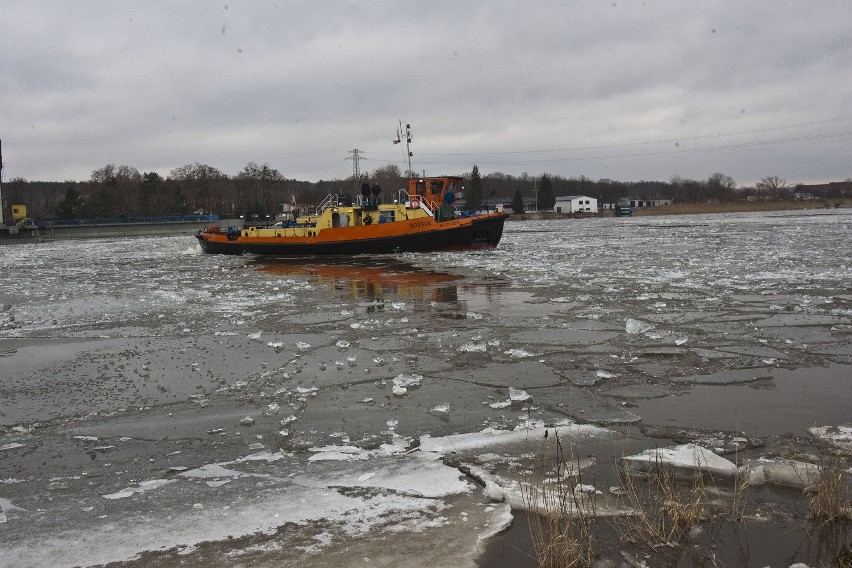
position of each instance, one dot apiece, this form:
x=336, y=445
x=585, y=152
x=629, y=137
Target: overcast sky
x=619, y=90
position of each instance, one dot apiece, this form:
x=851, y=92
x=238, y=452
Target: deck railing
x=404, y=197
x=127, y=220
x=329, y=201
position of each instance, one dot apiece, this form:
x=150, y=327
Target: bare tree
x=259, y=184
x=115, y=192
x=773, y=185
x=196, y=182
x=721, y=187
x=389, y=178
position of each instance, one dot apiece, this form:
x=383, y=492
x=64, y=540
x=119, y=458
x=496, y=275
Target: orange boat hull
x=410, y=235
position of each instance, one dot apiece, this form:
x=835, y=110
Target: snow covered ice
x=160, y=405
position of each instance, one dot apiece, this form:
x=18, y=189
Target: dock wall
x=40, y=234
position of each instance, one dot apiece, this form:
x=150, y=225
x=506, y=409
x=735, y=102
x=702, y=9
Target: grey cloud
x=160, y=84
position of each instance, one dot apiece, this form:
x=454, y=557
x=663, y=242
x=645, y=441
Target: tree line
x=258, y=191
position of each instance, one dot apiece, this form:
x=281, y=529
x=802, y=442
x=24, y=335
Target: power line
x=645, y=143
x=797, y=141
x=356, y=156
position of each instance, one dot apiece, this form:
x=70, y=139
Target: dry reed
x=830, y=501
x=561, y=515
x=664, y=513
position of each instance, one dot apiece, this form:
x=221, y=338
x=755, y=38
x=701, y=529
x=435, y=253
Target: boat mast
x=408, y=149
x=2, y=218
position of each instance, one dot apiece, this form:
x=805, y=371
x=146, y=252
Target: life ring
x=415, y=204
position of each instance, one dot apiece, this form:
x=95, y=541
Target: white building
x=576, y=204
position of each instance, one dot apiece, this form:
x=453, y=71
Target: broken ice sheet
x=6, y=506
x=141, y=488
x=635, y=327
x=686, y=457
x=442, y=410
x=491, y=437
x=354, y=453
x=211, y=471
x=519, y=353
x=518, y=395
x=403, y=380
x=840, y=436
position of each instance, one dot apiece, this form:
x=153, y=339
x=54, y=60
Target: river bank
x=741, y=207
x=696, y=209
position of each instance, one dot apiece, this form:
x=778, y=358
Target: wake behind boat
x=420, y=219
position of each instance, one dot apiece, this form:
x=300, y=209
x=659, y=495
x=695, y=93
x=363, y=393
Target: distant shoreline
x=740, y=207
x=699, y=208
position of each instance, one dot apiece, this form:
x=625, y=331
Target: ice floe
x=635, y=327
x=787, y=473
x=442, y=410
x=519, y=353
x=350, y=453
x=683, y=457
x=408, y=380
x=211, y=471
x=518, y=395
x=491, y=437
x=840, y=436
x=142, y=487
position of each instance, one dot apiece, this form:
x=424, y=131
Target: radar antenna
x=408, y=148
x=408, y=152
x=2, y=218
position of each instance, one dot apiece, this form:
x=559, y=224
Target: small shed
x=576, y=204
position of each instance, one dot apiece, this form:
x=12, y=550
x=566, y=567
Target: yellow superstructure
x=19, y=213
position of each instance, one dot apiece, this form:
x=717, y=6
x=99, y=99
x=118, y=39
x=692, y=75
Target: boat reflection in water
x=368, y=278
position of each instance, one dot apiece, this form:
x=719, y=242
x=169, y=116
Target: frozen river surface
x=163, y=407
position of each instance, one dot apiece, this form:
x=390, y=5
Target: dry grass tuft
x=561, y=514
x=664, y=511
x=843, y=559
x=738, y=503
x=830, y=501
